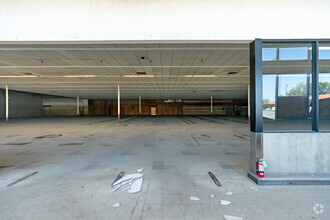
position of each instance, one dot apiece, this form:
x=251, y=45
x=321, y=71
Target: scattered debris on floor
x=128, y=178
x=117, y=205
x=136, y=186
x=229, y=217
x=215, y=180
x=253, y=188
x=193, y=198
x=8, y=166
x=140, y=170
x=135, y=180
x=49, y=136
x=229, y=193
x=71, y=144
x=17, y=143
x=225, y=203
x=120, y=175
x=127, y=188
x=114, y=189
x=23, y=178
x=211, y=196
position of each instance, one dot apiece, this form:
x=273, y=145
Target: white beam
x=7, y=104
x=118, y=104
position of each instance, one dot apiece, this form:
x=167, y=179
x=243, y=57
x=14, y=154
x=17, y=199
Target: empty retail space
x=147, y=131
x=147, y=110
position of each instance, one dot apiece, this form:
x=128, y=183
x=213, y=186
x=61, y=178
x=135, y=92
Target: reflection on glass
x=268, y=101
x=269, y=54
x=324, y=86
x=287, y=89
x=293, y=53
x=324, y=52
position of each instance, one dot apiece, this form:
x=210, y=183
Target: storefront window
x=324, y=86
x=287, y=89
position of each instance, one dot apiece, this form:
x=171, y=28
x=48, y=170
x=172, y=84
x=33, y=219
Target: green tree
x=264, y=103
x=324, y=87
x=298, y=90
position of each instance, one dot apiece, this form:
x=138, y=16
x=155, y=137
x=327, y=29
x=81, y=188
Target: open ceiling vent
x=232, y=73
x=141, y=73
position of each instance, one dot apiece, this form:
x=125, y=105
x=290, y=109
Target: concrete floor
x=76, y=170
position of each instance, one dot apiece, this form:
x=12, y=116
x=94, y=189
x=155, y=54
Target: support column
x=256, y=85
x=7, y=104
x=118, y=103
x=249, y=103
x=315, y=86
x=140, y=110
x=78, y=112
x=211, y=105
x=277, y=84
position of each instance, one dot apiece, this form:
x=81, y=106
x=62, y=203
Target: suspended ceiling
x=152, y=70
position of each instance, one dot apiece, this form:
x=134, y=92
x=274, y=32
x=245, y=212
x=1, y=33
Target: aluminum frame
x=256, y=115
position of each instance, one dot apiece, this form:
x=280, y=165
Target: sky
x=286, y=81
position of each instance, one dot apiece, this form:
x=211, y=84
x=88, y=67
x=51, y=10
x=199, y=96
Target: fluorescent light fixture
x=25, y=76
x=138, y=76
x=199, y=76
x=80, y=76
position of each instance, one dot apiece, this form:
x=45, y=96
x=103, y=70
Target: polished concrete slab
x=77, y=160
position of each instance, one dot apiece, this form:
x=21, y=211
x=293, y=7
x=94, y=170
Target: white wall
x=296, y=153
x=87, y=20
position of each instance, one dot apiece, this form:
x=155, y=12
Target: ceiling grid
x=177, y=70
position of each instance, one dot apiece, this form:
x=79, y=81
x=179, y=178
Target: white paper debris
x=252, y=188
x=116, y=205
x=211, y=196
x=224, y=202
x=127, y=188
x=129, y=178
x=136, y=186
x=140, y=170
x=194, y=198
x=229, y=193
x=229, y=217
x=117, y=187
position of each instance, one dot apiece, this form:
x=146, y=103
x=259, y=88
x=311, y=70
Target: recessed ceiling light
x=80, y=76
x=138, y=76
x=28, y=76
x=198, y=76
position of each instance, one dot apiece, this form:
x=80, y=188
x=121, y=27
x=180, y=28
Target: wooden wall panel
x=187, y=107
x=98, y=107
